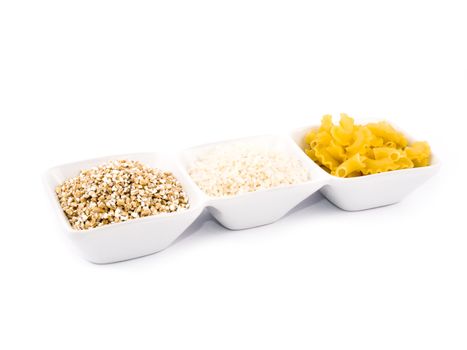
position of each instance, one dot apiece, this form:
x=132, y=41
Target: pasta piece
x=326, y=123
x=420, y=163
x=375, y=141
x=355, y=174
x=326, y=159
x=311, y=153
x=354, y=163
x=310, y=136
x=418, y=150
x=336, y=151
x=387, y=132
x=360, y=145
x=387, y=152
x=342, y=136
x=404, y=163
x=346, y=122
x=369, y=153
x=419, y=153
x=375, y=166
x=322, y=138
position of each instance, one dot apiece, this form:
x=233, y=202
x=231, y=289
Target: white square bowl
x=136, y=237
x=264, y=206
x=370, y=191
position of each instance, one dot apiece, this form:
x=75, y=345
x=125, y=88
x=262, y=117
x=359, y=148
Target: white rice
x=245, y=166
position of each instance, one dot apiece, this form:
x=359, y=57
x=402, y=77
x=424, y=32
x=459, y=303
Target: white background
x=83, y=79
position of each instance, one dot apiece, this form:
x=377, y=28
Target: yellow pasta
x=326, y=123
x=322, y=138
x=341, y=135
x=351, y=165
x=311, y=153
x=346, y=122
x=349, y=150
x=360, y=143
x=325, y=158
x=310, y=136
x=404, y=162
x=387, y=152
x=336, y=151
x=375, y=166
x=388, y=133
x=419, y=153
x=375, y=141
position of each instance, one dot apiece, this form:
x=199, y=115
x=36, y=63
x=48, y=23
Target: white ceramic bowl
x=266, y=205
x=370, y=191
x=133, y=238
x=143, y=236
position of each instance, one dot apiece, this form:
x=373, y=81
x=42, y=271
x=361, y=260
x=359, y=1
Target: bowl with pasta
x=368, y=165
